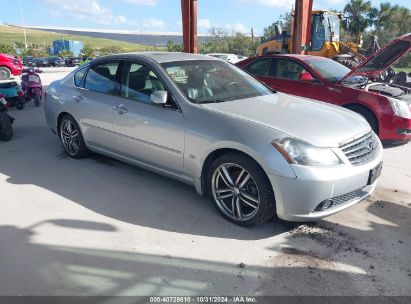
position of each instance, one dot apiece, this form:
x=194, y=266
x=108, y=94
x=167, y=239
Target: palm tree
x=357, y=13
x=381, y=17
x=402, y=18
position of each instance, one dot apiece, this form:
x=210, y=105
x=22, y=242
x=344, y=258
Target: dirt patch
x=331, y=239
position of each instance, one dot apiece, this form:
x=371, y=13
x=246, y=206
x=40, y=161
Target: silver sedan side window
x=101, y=77
x=139, y=81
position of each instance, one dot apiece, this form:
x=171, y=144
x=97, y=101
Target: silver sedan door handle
x=120, y=109
x=77, y=98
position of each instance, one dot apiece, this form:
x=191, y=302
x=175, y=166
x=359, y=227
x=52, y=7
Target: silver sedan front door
x=144, y=131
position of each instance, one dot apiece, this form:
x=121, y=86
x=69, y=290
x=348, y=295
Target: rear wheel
x=240, y=190
x=6, y=129
x=20, y=106
x=37, y=100
x=4, y=73
x=71, y=138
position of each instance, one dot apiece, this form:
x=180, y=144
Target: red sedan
x=386, y=107
x=9, y=65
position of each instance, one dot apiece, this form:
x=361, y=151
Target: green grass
x=9, y=35
x=406, y=70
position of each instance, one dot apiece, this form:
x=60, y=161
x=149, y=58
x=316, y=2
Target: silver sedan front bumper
x=298, y=199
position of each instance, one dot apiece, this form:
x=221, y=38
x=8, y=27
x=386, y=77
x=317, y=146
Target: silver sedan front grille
x=361, y=150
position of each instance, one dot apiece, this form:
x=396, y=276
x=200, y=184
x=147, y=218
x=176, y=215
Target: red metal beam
x=189, y=16
x=301, y=26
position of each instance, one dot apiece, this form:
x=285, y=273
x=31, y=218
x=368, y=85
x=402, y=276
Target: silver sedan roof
x=162, y=57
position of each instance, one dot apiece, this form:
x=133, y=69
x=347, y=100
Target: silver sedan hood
x=315, y=122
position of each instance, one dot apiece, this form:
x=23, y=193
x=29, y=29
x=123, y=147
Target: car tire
x=20, y=106
x=6, y=129
x=240, y=190
x=72, y=138
x=368, y=115
x=5, y=73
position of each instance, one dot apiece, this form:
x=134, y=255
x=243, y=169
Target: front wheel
x=241, y=190
x=37, y=100
x=6, y=129
x=71, y=138
x=5, y=73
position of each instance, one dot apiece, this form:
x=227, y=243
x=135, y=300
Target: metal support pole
x=301, y=26
x=24, y=26
x=189, y=16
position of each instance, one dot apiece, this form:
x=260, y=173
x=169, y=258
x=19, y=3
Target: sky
x=156, y=15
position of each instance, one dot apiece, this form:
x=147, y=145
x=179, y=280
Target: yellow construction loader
x=324, y=40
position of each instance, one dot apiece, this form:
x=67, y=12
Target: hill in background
x=11, y=34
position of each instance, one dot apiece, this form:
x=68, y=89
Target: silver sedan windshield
x=205, y=81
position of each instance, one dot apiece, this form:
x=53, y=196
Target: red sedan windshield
x=328, y=69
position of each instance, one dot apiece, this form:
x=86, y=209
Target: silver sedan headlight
x=301, y=153
x=400, y=107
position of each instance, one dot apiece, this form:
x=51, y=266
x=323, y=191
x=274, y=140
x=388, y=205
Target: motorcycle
x=6, y=121
x=31, y=85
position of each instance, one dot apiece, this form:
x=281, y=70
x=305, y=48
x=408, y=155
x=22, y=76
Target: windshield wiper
x=211, y=101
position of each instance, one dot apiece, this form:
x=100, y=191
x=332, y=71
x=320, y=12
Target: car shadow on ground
x=306, y=263
x=33, y=268
x=115, y=189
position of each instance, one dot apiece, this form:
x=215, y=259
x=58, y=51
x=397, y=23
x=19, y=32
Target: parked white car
x=231, y=58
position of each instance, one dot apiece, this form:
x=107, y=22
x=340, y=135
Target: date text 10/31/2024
x=205, y=299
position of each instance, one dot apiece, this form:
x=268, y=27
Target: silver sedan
x=202, y=121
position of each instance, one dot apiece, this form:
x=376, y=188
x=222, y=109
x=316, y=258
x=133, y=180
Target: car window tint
x=139, y=82
x=101, y=77
x=203, y=81
x=289, y=69
x=78, y=78
x=260, y=67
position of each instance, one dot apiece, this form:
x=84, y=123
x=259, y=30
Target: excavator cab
x=324, y=38
x=325, y=33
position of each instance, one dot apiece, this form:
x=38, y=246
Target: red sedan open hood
x=381, y=60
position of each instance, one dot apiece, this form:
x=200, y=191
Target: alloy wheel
x=235, y=192
x=70, y=137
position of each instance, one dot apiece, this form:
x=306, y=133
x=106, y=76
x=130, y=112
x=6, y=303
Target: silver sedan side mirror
x=159, y=97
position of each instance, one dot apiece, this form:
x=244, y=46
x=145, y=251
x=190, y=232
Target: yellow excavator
x=324, y=40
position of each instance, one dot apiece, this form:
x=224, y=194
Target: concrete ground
x=100, y=227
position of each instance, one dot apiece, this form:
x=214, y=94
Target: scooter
x=6, y=121
x=31, y=85
x=12, y=93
